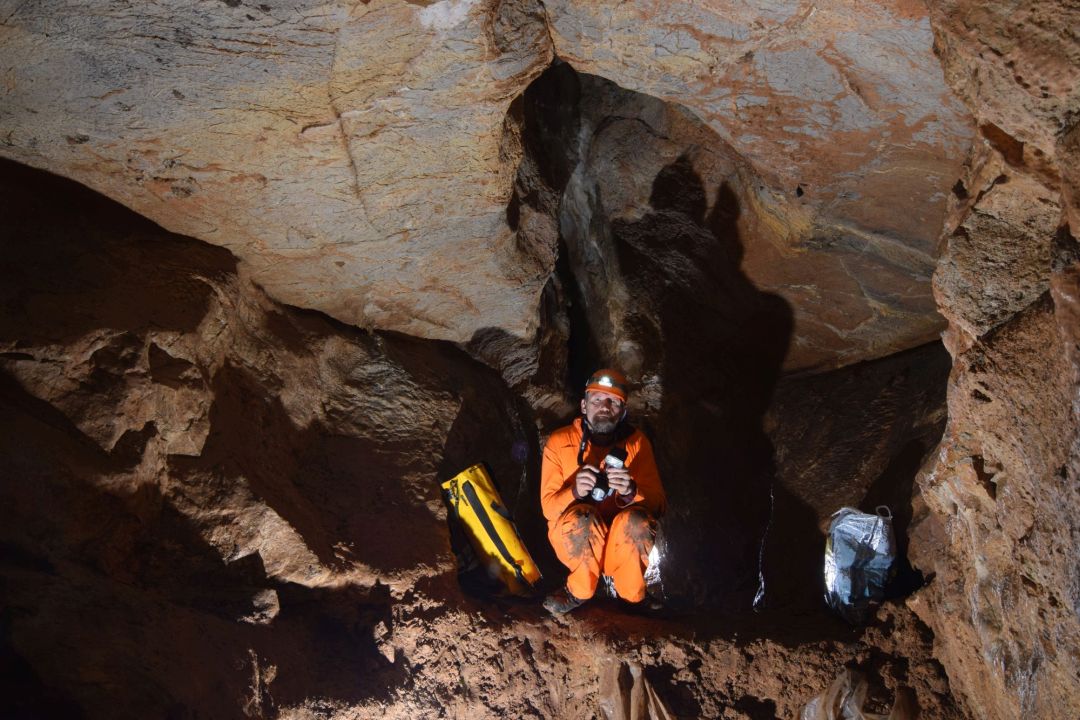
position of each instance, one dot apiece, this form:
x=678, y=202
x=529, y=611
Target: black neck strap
x=623, y=430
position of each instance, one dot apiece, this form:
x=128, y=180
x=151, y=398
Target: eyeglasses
x=599, y=401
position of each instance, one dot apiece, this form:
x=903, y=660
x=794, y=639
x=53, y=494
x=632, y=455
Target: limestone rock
x=1003, y=595
x=788, y=85
x=1017, y=66
x=288, y=557
x=353, y=155
x=191, y=394
x=360, y=158
x=739, y=189
x=999, y=259
x=624, y=165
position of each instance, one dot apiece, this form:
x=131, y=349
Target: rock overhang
x=359, y=158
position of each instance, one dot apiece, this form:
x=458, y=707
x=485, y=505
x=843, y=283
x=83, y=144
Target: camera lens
x=600, y=489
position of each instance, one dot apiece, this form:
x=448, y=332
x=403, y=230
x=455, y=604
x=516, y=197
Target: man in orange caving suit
x=592, y=531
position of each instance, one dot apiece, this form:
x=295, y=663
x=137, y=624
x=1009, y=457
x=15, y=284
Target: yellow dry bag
x=471, y=497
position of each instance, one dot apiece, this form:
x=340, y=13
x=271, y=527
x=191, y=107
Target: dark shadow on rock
x=714, y=340
x=106, y=577
x=115, y=597
x=551, y=111
x=583, y=356
x=849, y=437
x=893, y=489
x=23, y=695
x=342, y=494
x=722, y=343
x=794, y=553
x=72, y=272
x=735, y=441
x=495, y=427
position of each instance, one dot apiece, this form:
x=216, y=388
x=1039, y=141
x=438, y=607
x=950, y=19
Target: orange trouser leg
x=578, y=537
x=630, y=540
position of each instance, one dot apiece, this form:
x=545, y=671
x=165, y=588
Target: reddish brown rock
x=1003, y=489
x=999, y=533
x=213, y=477
x=286, y=554
x=999, y=258
x=1017, y=67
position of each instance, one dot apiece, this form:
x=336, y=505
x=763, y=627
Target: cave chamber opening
x=663, y=271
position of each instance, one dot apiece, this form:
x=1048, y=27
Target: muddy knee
x=639, y=526
x=576, y=525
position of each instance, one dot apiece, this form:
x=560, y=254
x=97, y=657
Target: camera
x=616, y=458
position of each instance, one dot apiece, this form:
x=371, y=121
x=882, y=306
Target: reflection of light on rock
x=652, y=572
x=445, y=15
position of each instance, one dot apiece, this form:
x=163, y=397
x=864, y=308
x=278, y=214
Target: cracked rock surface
x=999, y=529
x=370, y=243
x=359, y=157
x=217, y=505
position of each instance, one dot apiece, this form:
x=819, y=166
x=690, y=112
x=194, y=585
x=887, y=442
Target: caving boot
x=651, y=606
x=561, y=602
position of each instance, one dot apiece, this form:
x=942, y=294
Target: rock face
x=187, y=463
x=220, y=449
x=216, y=505
x=664, y=270
x=1002, y=495
x=352, y=154
x=360, y=158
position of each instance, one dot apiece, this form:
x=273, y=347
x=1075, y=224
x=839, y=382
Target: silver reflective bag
x=859, y=555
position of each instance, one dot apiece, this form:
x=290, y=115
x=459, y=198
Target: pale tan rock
x=359, y=157
x=844, y=102
x=351, y=154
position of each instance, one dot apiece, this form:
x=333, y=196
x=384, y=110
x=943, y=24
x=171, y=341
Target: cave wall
x=215, y=505
x=181, y=407
x=204, y=492
x=998, y=532
x=667, y=268
x=853, y=437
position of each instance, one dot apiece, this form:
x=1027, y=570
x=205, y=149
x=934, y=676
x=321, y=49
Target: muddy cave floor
x=471, y=656
x=430, y=650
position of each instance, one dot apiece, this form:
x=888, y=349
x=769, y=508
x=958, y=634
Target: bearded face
x=603, y=411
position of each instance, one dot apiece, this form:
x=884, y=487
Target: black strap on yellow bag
x=473, y=501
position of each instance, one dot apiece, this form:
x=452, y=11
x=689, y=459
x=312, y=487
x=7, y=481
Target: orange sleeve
x=556, y=481
x=642, y=465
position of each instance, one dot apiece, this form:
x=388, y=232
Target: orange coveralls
x=614, y=536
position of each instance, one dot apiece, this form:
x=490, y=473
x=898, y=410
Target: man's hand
x=585, y=481
x=620, y=481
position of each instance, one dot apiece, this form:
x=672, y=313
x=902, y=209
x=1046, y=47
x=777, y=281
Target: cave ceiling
x=359, y=157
